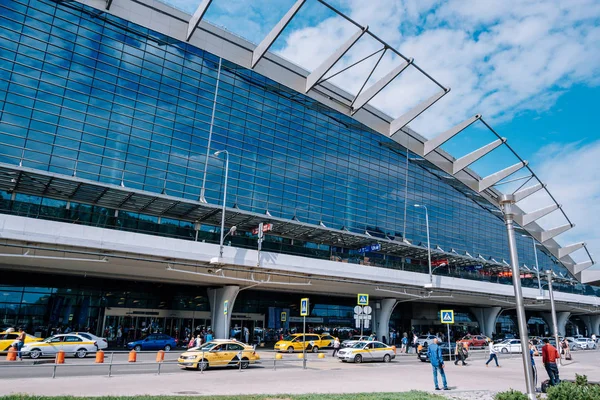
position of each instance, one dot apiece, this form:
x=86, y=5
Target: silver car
x=367, y=351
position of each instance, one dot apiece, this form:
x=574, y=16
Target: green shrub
x=511, y=395
x=574, y=391
x=581, y=380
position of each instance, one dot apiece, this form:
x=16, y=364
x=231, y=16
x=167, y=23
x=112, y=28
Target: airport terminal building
x=111, y=194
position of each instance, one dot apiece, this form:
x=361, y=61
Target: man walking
x=459, y=352
x=437, y=363
x=336, y=346
x=493, y=354
x=20, y=342
x=549, y=357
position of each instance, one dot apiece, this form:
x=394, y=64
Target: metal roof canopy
x=18, y=179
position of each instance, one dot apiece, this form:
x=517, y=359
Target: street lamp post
x=224, y=200
x=537, y=267
x=552, y=308
x=507, y=203
x=430, y=285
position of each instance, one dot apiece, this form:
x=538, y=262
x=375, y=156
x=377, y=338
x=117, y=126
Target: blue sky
x=531, y=67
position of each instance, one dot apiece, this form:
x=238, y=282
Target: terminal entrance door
x=253, y=323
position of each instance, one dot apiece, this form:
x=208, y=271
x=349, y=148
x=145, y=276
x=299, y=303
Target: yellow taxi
x=219, y=353
x=295, y=342
x=8, y=338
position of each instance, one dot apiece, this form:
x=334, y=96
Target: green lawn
x=413, y=395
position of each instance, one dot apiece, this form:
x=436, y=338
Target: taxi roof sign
x=447, y=316
x=304, y=307
x=362, y=299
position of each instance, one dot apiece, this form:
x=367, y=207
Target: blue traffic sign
x=447, y=316
x=304, y=307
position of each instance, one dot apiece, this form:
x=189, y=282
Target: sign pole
x=304, y=342
x=449, y=345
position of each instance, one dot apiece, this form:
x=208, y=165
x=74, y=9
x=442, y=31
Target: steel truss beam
x=413, y=113
x=321, y=70
x=196, y=18
x=268, y=41
x=442, y=138
x=526, y=219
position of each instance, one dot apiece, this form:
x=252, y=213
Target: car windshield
x=358, y=345
x=205, y=347
x=423, y=337
x=289, y=338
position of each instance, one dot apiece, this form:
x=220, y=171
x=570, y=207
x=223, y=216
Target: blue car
x=154, y=341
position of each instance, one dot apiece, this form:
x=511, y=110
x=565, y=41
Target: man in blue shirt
x=437, y=363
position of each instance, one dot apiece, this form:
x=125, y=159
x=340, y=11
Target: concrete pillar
x=547, y=317
x=595, y=324
x=561, y=319
x=486, y=317
x=383, y=318
x=587, y=320
x=221, y=323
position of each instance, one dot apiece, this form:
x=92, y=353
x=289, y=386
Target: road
x=326, y=375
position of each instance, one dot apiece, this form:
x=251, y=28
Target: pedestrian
x=21, y=342
x=119, y=336
x=594, y=337
x=414, y=342
x=198, y=341
x=434, y=352
x=404, y=347
x=459, y=351
x=209, y=336
x=493, y=354
x=336, y=346
x=533, y=352
x=549, y=357
x=246, y=335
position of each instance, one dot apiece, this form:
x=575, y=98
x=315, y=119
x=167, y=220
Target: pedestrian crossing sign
x=447, y=316
x=304, y=307
x=283, y=316
x=363, y=299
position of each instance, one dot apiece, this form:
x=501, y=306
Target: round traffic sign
x=358, y=310
x=367, y=310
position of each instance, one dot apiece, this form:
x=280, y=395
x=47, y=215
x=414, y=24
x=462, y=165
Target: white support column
x=196, y=18
x=442, y=138
x=220, y=322
x=528, y=191
x=326, y=65
x=383, y=318
x=414, y=112
x=595, y=320
x=378, y=86
x=587, y=320
x=562, y=318
x=526, y=219
x=577, y=268
x=486, y=317
x=470, y=158
x=264, y=46
x=498, y=176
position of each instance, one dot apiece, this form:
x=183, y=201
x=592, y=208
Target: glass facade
x=85, y=93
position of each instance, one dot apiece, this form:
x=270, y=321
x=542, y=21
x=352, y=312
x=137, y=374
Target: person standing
x=336, y=346
x=460, y=353
x=209, y=336
x=493, y=355
x=533, y=352
x=404, y=347
x=434, y=352
x=21, y=342
x=549, y=357
x=247, y=335
x=119, y=336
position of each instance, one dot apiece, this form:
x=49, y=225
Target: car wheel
x=35, y=353
x=504, y=350
x=387, y=358
x=203, y=365
x=138, y=348
x=81, y=353
x=358, y=359
x=245, y=363
x=315, y=349
x=422, y=360
x=290, y=349
x=168, y=347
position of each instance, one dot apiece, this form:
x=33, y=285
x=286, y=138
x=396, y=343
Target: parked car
x=219, y=353
x=70, y=343
x=421, y=340
x=367, y=351
x=508, y=346
x=446, y=351
x=154, y=341
x=8, y=338
x=296, y=342
x=475, y=341
x=353, y=340
x=583, y=343
x=100, y=341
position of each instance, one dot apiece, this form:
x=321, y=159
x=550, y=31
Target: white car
x=367, y=351
x=584, y=343
x=353, y=340
x=508, y=346
x=71, y=344
x=101, y=342
x=421, y=340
